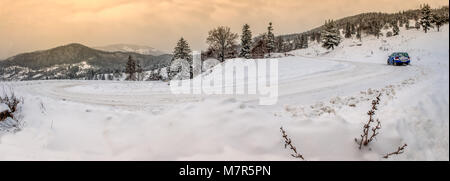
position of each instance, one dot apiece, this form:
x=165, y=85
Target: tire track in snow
x=344, y=78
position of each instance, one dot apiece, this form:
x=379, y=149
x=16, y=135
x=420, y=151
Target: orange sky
x=28, y=25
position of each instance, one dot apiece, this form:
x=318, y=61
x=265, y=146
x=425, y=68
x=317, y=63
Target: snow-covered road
x=323, y=101
x=322, y=78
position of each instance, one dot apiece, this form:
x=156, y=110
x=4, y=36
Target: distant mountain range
x=145, y=50
x=73, y=61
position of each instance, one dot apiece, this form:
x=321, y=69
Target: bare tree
x=222, y=40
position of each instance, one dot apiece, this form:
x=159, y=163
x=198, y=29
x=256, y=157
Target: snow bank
x=4, y=107
x=324, y=98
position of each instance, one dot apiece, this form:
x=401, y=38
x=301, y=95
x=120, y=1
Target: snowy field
x=322, y=104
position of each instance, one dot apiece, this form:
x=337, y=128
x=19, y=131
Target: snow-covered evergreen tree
x=318, y=37
x=395, y=30
x=270, y=39
x=246, y=42
x=348, y=30
x=279, y=44
x=375, y=28
x=182, y=51
x=330, y=36
x=304, y=41
x=297, y=42
x=130, y=69
x=353, y=29
x=286, y=46
x=438, y=21
x=358, y=33
x=139, y=71
x=389, y=34
x=417, y=25
x=426, y=18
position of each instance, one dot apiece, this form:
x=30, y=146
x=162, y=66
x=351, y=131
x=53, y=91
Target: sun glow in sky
x=28, y=25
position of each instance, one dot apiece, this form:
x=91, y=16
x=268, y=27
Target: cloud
x=27, y=25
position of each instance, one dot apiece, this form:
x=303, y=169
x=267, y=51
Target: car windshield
x=403, y=54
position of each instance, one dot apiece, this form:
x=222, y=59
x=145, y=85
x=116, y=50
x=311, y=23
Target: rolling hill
x=145, y=50
x=75, y=59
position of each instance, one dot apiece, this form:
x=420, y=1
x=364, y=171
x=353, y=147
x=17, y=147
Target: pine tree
x=139, y=71
x=270, y=39
x=304, y=41
x=376, y=27
x=131, y=69
x=348, y=31
x=438, y=21
x=318, y=37
x=298, y=42
x=301, y=42
x=246, y=42
x=330, y=36
x=313, y=37
x=389, y=34
x=353, y=29
x=395, y=30
x=426, y=18
x=417, y=25
x=358, y=33
x=91, y=74
x=279, y=44
x=182, y=51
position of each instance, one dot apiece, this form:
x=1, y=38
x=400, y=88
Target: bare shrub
x=43, y=109
x=288, y=142
x=399, y=151
x=5, y=114
x=367, y=137
x=8, y=118
x=10, y=100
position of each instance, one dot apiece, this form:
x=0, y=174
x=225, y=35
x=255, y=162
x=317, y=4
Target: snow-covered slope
x=323, y=101
x=145, y=50
x=73, y=61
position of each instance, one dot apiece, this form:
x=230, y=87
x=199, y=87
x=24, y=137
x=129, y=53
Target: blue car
x=399, y=58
